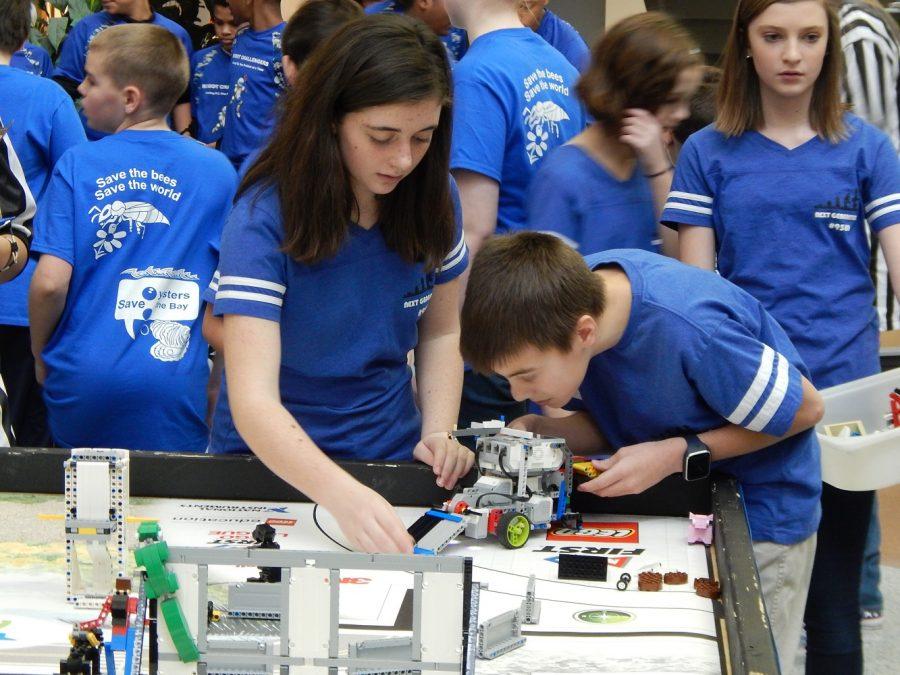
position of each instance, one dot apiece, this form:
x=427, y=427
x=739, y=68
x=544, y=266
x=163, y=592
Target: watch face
x=697, y=465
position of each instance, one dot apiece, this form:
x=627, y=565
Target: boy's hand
x=369, y=522
x=636, y=467
x=450, y=460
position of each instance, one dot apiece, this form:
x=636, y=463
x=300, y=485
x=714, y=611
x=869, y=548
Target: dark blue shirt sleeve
x=881, y=191
x=55, y=221
x=479, y=129
x=691, y=198
x=252, y=268
x=747, y=382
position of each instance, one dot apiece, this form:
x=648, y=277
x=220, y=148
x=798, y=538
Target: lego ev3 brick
x=585, y=567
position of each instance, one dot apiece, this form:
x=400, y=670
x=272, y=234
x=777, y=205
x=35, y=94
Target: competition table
x=197, y=498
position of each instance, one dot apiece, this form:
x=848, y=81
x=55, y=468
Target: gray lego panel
x=500, y=635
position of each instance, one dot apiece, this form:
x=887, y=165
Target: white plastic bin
x=868, y=462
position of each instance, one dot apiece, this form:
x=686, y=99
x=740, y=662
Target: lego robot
x=525, y=483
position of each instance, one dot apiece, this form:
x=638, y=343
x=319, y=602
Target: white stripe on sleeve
x=882, y=200
x=880, y=212
x=253, y=283
x=690, y=196
x=687, y=207
x=456, y=260
x=456, y=249
x=246, y=295
x=776, y=396
x=753, y=394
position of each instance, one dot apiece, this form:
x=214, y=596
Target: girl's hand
x=643, y=132
x=450, y=460
x=368, y=521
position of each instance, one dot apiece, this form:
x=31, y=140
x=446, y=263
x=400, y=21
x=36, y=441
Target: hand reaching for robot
x=449, y=460
x=634, y=468
x=369, y=522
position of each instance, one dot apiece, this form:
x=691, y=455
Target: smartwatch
x=696, y=459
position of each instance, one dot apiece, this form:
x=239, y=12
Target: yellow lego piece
x=585, y=469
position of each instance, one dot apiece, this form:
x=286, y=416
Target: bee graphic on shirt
x=108, y=218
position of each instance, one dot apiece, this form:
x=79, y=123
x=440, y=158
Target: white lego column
x=187, y=595
x=442, y=609
x=310, y=617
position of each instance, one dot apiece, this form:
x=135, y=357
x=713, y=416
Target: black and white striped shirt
x=871, y=46
x=16, y=213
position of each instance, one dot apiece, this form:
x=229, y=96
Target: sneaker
x=870, y=618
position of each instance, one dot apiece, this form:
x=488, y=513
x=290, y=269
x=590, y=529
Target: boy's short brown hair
x=525, y=289
x=636, y=64
x=148, y=57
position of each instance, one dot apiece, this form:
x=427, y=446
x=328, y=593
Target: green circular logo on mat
x=604, y=616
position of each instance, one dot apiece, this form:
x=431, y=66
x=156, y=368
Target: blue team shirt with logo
x=210, y=91
x=567, y=41
x=699, y=353
x=257, y=79
x=456, y=40
x=347, y=325
x=514, y=101
x=73, y=54
x=42, y=124
x=33, y=59
x=127, y=364
x=576, y=198
x=791, y=228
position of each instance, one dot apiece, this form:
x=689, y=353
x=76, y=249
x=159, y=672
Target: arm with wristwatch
x=634, y=468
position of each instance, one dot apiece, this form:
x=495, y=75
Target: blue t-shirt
x=33, y=59
x=790, y=229
x=134, y=214
x=347, y=325
x=575, y=197
x=42, y=123
x=210, y=91
x=257, y=79
x=72, y=56
x=563, y=36
x=698, y=353
x=456, y=40
x=514, y=100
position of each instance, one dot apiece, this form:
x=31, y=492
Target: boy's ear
x=133, y=98
x=585, y=331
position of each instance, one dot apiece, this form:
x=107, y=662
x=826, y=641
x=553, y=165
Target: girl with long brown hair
x=341, y=255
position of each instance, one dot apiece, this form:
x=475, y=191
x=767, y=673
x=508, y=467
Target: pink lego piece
x=700, y=530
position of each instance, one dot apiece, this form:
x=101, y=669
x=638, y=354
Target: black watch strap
x=697, y=459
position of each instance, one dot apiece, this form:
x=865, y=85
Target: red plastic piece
x=493, y=519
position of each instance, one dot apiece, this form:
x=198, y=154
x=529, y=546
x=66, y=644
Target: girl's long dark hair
x=374, y=60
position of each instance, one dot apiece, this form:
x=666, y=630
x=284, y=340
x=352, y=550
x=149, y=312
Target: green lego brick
x=148, y=530
x=153, y=558
x=178, y=630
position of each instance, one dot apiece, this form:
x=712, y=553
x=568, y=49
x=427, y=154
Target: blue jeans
x=833, y=639
x=869, y=594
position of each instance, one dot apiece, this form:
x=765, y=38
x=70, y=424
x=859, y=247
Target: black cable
x=322, y=530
